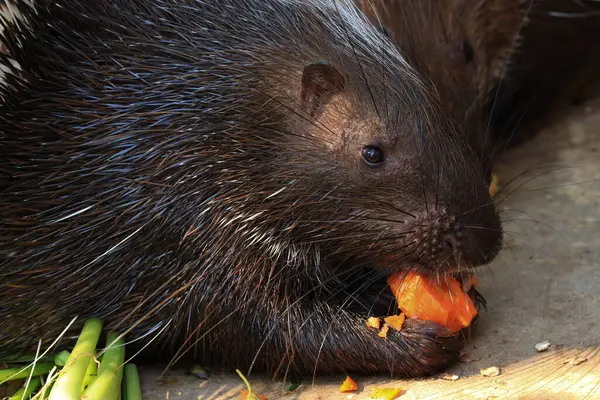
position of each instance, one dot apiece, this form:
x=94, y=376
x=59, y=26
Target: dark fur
x=505, y=67
x=555, y=61
x=160, y=171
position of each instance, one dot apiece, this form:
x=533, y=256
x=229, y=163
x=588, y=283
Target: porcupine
x=238, y=177
x=504, y=67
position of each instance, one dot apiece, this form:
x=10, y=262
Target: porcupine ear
x=320, y=81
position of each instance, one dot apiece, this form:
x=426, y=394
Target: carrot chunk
x=444, y=302
x=383, y=332
x=395, y=321
x=255, y=396
x=386, y=393
x=374, y=322
x=348, y=386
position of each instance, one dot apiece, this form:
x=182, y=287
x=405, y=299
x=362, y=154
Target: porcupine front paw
x=347, y=344
x=424, y=348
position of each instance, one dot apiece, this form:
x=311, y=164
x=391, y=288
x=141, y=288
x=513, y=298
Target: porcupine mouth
x=377, y=300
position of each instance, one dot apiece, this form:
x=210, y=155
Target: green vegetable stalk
x=90, y=374
x=28, y=358
x=107, y=385
x=61, y=358
x=27, y=389
x=12, y=374
x=132, y=389
x=69, y=381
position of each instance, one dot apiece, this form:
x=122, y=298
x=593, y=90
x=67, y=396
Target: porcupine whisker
x=369, y=218
x=403, y=247
x=513, y=131
x=497, y=201
x=400, y=258
x=393, y=207
x=337, y=238
x=529, y=180
x=396, y=236
x=355, y=219
x=538, y=222
x=481, y=227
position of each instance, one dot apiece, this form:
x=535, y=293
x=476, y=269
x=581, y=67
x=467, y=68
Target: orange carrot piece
x=384, y=331
x=444, y=303
x=244, y=396
x=395, y=321
x=386, y=393
x=374, y=322
x=348, y=386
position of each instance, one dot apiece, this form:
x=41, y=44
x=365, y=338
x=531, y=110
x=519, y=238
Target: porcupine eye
x=372, y=155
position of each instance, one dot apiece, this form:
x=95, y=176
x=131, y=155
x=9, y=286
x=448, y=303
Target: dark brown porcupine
x=505, y=67
x=230, y=180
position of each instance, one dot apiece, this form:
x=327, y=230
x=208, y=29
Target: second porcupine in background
x=511, y=65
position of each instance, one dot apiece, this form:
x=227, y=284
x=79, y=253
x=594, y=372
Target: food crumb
x=384, y=331
x=575, y=360
x=349, y=385
x=395, y=321
x=448, y=377
x=542, y=346
x=386, y=393
x=494, y=185
x=490, y=372
x=374, y=322
x=255, y=396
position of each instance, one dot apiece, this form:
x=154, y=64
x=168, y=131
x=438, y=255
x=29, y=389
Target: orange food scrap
x=494, y=185
x=473, y=280
x=374, y=322
x=384, y=331
x=348, y=386
x=386, y=393
x=248, y=394
x=255, y=396
x=445, y=303
x=395, y=321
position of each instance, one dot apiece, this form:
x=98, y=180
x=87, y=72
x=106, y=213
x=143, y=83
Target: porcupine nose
x=443, y=240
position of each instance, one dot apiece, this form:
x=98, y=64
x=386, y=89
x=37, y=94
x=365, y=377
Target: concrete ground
x=544, y=286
